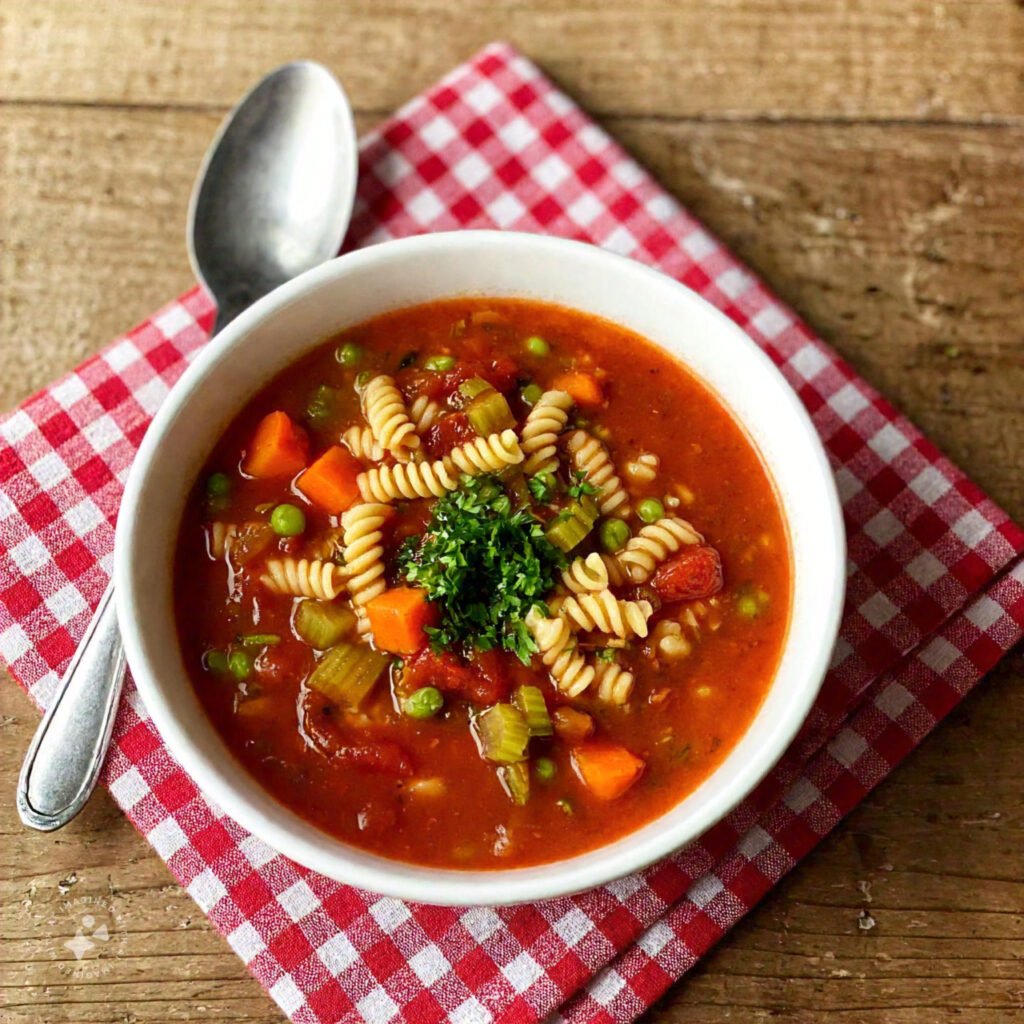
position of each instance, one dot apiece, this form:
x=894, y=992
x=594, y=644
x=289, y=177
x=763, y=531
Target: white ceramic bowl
x=297, y=317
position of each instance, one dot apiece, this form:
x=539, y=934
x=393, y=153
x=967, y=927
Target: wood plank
x=958, y=60
x=899, y=244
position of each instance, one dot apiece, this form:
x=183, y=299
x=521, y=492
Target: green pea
x=240, y=664
x=650, y=510
x=423, y=703
x=531, y=394
x=748, y=607
x=363, y=379
x=288, y=520
x=215, y=661
x=218, y=485
x=536, y=346
x=614, y=535
x=545, y=768
x=348, y=354
x=438, y=364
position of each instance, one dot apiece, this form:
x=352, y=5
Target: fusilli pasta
x=385, y=411
x=414, y=480
x=489, y=454
x=653, y=544
x=362, y=444
x=424, y=412
x=590, y=457
x=303, y=577
x=614, y=683
x=540, y=432
x=604, y=612
x=586, y=574
x=568, y=668
x=364, y=554
x=644, y=468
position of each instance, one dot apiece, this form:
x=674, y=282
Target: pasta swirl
x=385, y=411
x=364, y=555
x=220, y=538
x=605, y=613
x=303, y=577
x=653, y=544
x=540, y=432
x=415, y=480
x=424, y=412
x=362, y=444
x=568, y=668
x=590, y=457
x=614, y=683
x=586, y=574
x=489, y=454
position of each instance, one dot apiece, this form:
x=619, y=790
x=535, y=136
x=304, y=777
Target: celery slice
x=322, y=625
x=533, y=707
x=473, y=387
x=515, y=779
x=347, y=673
x=502, y=734
x=489, y=413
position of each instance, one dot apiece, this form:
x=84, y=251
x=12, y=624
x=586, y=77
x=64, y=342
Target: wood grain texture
x=865, y=157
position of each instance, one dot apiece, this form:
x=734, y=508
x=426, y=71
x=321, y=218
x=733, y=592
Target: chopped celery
x=534, y=709
x=489, y=413
x=259, y=640
x=322, y=625
x=346, y=673
x=473, y=387
x=502, y=734
x=572, y=524
x=515, y=779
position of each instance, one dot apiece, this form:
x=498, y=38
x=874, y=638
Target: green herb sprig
x=485, y=565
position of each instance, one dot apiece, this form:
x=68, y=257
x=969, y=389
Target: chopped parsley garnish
x=543, y=487
x=579, y=487
x=485, y=565
x=605, y=654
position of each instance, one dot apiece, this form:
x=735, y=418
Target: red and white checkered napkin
x=935, y=598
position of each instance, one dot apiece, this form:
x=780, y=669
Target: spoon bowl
x=274, y=195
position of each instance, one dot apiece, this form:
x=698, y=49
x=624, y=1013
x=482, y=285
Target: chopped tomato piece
x=451, y=675
x=694, y=573
x=398, y=618
x=571, y=725
x=493, y=680
x=331, y=482
x=606, y=769
x=351, y=746
x=448, y=433
x=278, y=448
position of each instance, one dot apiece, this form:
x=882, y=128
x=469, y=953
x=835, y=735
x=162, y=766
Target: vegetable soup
x=482, y=583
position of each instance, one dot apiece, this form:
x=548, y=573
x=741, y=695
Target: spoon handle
x=68, y=749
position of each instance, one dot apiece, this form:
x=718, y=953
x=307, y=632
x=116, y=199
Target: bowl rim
x=440, y=886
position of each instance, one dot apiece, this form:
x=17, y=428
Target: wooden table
x=866, y=157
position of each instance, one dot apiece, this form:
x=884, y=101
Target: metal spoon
x=273, y=198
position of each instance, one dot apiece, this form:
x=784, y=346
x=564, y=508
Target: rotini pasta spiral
x=362, y=444
x=653, y=544
x=489, y=454
x=586, y=574
x=219, y=539
x=424, y=412
x=540, y=432
x=385, y=411
x=589, y=456
x=302, y=577
x=616, y=573
x=414, y=480
x=605, y=613
x=568, y=668
x=364, y=554
x=614, y=683
x=644, y=468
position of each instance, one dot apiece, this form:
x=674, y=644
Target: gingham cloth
x=935, y=598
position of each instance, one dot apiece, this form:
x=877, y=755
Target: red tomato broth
x=652, y=404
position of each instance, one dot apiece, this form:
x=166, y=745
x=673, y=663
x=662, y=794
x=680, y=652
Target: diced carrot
x=398, y=618
x=278, y=448
x=585, y=388
x=606, y=769
x=331, y=481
